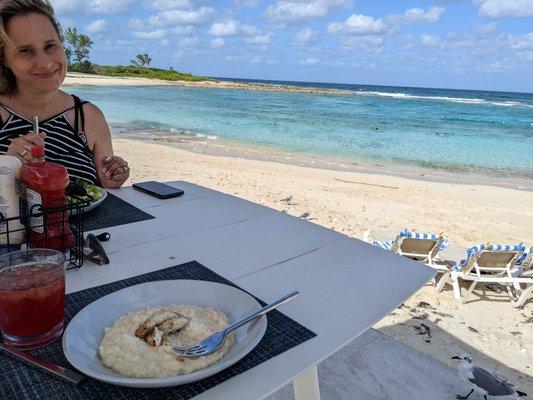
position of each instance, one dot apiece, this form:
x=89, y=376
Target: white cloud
x=249, y=30
x=417, y=14
x=157, y=34
x=217, y=42
x=406, y=41
x=182, y=30
x=246, y=3
x=293, y=10
x=486, y=29
x=505, y=8
x=107, y=6
x=310, y=61
x=260, y=39
x=231, y=27
x=327, y=63
x=304, y=36
x=98, y=26
x=169, y=4
x=358, y=24
x=226, y=28
x=183, y=17
x=91, y=6
x=136, y=24
x=431, y=41
x=369, y=44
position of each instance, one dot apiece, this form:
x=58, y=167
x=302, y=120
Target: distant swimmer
x=376, y=129
x=382, y=121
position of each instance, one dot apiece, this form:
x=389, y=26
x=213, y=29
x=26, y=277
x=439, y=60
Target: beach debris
x=423, y=304
x=441, y=314
x=494, y=288
x=421, y=316
x=422, y=330
x=482, y=381
x=367, y=184
x=473, y=329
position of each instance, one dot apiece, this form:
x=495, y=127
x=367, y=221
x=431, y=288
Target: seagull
x=482, y=381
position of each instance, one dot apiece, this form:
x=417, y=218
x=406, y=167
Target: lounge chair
x=522, y=291
x=418, y=246
x=492, y=264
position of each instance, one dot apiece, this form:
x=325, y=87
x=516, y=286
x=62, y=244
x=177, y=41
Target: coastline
x=78, y=79
x=229, y=148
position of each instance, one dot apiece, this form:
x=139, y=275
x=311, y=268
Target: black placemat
x=113, y=212
x=18, y=381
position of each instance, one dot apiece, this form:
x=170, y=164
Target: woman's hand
x=115, y=172
x=21, y=146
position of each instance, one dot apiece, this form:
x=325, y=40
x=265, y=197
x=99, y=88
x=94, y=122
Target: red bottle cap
x=37, y=152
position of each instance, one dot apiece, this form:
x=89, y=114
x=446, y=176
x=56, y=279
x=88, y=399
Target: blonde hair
x=8, y=10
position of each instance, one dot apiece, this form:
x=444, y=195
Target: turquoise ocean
x=455, y=130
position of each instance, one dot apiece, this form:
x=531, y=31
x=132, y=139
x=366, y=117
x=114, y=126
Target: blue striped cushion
x=520, y=248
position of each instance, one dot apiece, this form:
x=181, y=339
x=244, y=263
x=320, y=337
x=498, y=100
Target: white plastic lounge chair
x=418, y=246
x=523, y=291
x=492, y=264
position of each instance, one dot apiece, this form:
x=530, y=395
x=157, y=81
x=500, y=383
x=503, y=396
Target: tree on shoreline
x=141, y=60
x=79, y=45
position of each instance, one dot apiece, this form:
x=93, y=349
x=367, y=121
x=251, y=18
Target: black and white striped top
x=64, y=144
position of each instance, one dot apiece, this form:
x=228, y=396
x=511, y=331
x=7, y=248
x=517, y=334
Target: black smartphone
x=159, y=190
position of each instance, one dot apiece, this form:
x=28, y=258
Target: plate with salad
x=81, y=190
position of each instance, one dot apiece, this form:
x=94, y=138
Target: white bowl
x=85, y=331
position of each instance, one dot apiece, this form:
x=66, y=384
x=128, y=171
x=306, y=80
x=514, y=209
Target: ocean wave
x=462, y=100
x=204, y=136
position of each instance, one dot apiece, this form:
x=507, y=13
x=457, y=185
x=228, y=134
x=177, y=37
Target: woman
x=32, y=68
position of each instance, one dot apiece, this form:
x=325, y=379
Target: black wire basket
x=60, y=228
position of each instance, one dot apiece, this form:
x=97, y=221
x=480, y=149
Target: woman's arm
x=112, y=170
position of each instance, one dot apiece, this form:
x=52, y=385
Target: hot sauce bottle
x=45, y=184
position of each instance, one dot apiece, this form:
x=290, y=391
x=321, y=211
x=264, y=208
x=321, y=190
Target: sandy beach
x=358, y=198
x=76, y=78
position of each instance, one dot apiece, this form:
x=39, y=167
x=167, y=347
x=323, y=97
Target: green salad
x=81, y=190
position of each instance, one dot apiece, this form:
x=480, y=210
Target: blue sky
x=470, y=44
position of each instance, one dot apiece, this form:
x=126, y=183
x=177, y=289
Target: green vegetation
x=78, y=45
x=136, y=72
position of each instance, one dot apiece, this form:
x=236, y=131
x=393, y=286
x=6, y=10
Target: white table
x=346, y=285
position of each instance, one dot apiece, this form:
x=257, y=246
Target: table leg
x=306, y=385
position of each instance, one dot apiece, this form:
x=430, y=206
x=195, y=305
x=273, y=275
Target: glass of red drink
x=32, y=297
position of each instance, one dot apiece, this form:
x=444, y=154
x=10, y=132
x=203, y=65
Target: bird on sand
x=482, y=381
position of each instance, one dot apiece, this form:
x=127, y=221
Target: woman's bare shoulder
x=93, y=114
